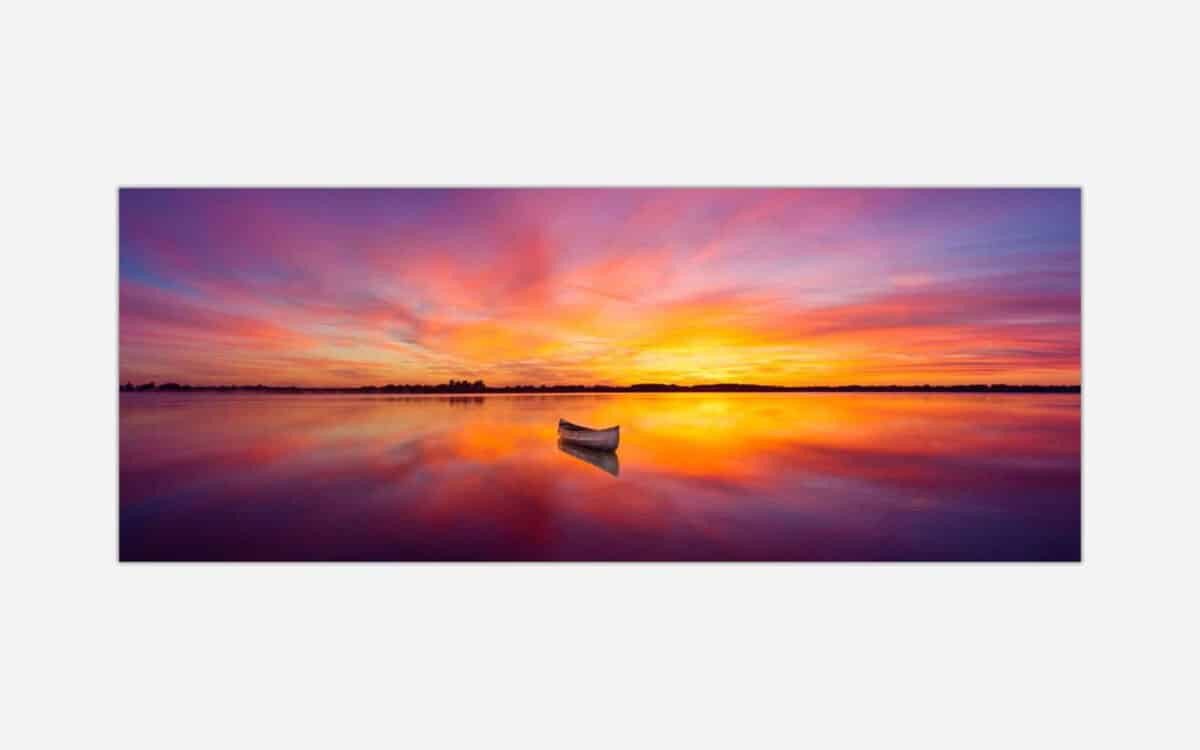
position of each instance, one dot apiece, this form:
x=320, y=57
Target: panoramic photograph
x=599, y=375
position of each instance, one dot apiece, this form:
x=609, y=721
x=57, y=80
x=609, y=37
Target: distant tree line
x=478, y=386
x=454, y=386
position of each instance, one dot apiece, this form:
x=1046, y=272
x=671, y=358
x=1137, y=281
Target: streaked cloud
x=339, y=287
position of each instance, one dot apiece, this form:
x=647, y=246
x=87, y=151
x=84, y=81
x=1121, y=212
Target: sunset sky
x=618, y=286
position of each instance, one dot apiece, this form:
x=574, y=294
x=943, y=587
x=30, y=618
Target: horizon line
x=479, y=386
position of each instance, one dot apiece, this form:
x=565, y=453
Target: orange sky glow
x=609, y=286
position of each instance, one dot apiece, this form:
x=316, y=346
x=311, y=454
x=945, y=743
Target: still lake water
x=799, y=476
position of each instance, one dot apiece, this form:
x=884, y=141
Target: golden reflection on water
x=697, y=476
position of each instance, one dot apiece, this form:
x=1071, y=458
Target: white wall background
x=105, y=94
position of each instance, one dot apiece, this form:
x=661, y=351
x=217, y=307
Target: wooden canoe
x=604, y=440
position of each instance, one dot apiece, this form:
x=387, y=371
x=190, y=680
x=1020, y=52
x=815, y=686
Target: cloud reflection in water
x=702, y=477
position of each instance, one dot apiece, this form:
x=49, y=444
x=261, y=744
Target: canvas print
x=587, y=375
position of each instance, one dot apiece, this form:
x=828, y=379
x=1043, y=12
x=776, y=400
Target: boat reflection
x=604, y=460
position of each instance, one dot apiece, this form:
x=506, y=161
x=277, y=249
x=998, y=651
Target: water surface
x=798, y=476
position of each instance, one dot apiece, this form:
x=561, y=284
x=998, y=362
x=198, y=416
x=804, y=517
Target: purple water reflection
x=848, y=477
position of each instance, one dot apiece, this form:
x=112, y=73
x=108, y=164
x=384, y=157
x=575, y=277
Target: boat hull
x=603, y=440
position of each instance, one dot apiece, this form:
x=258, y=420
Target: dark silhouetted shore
x=478, y=386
